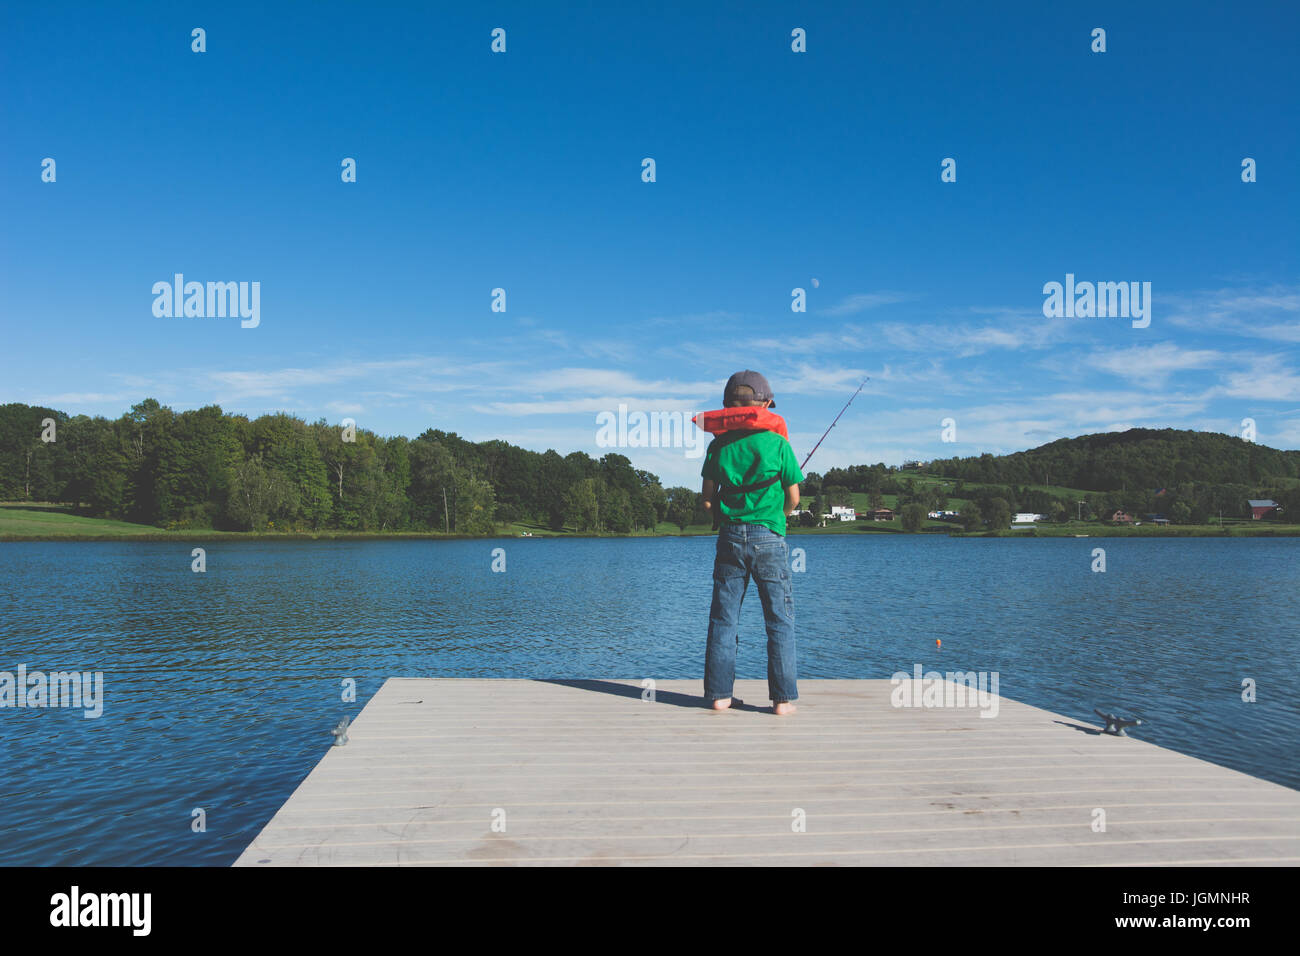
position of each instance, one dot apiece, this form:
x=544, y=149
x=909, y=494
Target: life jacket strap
x=725, y=488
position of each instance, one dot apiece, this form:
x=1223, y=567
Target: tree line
x=205, y=468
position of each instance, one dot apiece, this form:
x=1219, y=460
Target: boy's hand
x=710, y=493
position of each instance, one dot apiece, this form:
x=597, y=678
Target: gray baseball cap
x=756, y=382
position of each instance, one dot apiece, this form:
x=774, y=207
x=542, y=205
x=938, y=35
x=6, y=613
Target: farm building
x=1263, y=508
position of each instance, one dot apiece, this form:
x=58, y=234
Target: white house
x=843, y=513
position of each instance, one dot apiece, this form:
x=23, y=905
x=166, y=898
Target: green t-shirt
x=745, y=458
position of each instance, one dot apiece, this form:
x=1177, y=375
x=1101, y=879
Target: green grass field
x=43, y=521
x=46, y=520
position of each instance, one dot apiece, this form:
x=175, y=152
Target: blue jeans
x=744, y=551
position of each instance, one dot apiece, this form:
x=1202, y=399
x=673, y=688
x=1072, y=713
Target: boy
x=751, y=481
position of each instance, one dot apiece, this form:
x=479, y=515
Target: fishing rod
x=837, y=418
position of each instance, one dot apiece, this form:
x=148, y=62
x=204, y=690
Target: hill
x=1137, y=458
x=1191, y=477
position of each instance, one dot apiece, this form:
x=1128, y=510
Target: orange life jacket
x=750, y=417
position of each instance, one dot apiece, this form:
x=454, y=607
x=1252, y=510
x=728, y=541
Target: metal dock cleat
x=1115, y=725
x=341, y=732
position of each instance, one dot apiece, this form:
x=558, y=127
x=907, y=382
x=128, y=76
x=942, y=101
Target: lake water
x=221, y=687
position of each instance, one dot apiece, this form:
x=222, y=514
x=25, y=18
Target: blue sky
x=522, y=171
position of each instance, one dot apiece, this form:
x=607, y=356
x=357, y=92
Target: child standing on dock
x=751, y=481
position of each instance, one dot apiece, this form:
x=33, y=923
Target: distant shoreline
x=1076, y=532
x=32, y=521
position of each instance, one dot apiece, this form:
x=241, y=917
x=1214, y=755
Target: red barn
x=1263, y=508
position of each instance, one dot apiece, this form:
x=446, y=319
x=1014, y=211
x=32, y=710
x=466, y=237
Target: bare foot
x=722, y=704
x=782, y=709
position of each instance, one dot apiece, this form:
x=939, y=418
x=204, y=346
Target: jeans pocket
x=772, y=559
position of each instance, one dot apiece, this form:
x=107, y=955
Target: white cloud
x=1016, y=334
x=802, y=378
x=591, y=405
x=717, y=317
x=863, y=301
x=344, y=408
x=1151, y=364
x=849, y=338
x=1265, y=378
x=73, y=399
x=1283, y=434
x=1271, y=313
x=606, y=380
x=243, y=383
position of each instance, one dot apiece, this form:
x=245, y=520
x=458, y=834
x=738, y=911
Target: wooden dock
x=513, y=772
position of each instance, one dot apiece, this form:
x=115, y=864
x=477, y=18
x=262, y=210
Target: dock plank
x=589, y=773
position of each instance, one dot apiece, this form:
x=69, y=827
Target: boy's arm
x=710, y=494
x=709, y=490
x=791, y=475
